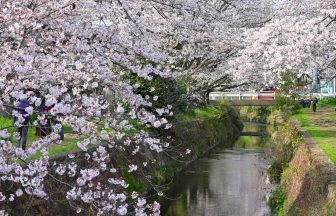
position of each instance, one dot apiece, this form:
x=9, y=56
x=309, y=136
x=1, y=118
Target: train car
x=267, y=94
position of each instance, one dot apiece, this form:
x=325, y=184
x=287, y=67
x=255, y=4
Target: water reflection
x=228, y=182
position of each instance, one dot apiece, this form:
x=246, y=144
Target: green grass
x=64, y=147
x=69, y=144
x=276, y=201
x=302, y=118
x=6, y=122
x=200, y=113
x=331, y=102
x=322, y=127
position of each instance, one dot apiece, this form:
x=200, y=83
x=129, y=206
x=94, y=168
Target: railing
x=242, y=95
x=324, y=95
x=258, y=95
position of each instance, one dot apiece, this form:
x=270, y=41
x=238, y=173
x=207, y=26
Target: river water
x=227, y=182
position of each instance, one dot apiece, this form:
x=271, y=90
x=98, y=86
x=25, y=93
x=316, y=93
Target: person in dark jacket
x=303, y=103
x=308, y=103
x=44, y=129
x=23, y=129
x=315, y=101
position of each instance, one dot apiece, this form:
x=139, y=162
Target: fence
x=242, y=95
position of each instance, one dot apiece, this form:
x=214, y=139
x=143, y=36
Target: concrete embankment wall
x=309, y=183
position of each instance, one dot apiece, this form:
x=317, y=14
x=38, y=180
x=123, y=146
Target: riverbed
x=228, y=182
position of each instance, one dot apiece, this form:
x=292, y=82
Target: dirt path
x=324, y=117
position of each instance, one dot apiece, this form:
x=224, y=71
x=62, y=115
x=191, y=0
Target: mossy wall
x=203, y=134
x=305, y=185
x=304, y=180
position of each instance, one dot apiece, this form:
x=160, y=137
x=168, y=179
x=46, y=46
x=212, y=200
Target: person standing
x=303, y=103
x=23, y=129
x=315, y=101
x=44, y=126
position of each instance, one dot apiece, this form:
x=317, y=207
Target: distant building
x=328, y=86
x=304, y=80
x=325, y=87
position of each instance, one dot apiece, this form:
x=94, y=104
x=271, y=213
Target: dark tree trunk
x=206, y=98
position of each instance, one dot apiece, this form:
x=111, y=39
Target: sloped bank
x=307, y=183
x=201, y=135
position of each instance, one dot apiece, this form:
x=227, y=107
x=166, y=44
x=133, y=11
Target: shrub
x=276, y=201
x=169, y=91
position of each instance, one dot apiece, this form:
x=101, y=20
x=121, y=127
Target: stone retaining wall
x=310, y=180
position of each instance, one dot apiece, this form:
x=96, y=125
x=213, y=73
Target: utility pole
x=314, y=87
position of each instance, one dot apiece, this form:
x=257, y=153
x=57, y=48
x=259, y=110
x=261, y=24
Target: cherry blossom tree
x=221, y=39
x=298, y=37
x=79, y=58
x=69, y=54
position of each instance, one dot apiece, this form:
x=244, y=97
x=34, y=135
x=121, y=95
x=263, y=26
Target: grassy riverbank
x=199, y=113
x=321, y=126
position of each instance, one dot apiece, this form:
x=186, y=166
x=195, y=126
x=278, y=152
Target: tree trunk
x=206, y=98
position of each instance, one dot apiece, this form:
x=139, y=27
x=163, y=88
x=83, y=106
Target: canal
x=226, y=182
